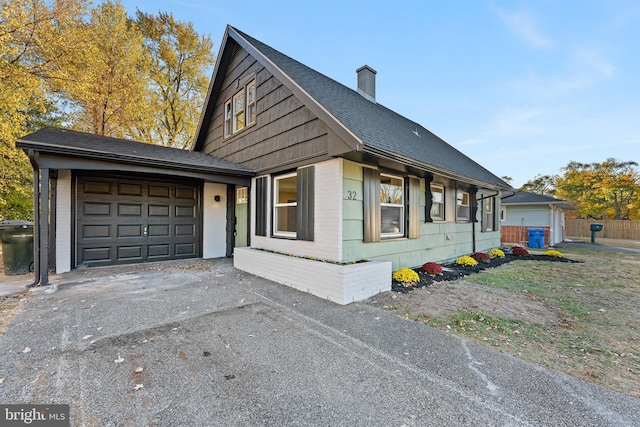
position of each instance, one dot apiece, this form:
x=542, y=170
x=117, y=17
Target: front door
x=242, y=203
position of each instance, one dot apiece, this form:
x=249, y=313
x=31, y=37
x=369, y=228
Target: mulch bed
x=452, y=271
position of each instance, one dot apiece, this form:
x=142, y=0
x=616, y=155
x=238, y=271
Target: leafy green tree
x=33, y=45
x=507, y=179
x=106, y=80
x=541, y=184
x=180, y=60
x=607, y=190
x=96, y=70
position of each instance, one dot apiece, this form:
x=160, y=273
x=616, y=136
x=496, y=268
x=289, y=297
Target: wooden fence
x=613, y=229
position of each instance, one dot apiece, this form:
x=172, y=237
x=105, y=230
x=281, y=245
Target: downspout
x=552, y=225
x=36, y=218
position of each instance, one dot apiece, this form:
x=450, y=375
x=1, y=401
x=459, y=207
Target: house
x=526, y=210
x=306, y=181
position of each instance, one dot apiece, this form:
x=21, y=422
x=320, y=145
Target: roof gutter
x=103, y=155
x=430, y=168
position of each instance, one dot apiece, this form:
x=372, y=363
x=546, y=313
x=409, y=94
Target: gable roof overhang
x=229, y=41
x=55, y=148
x=367, y=128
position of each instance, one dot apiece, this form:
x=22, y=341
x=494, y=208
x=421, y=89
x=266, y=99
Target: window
x=462, y=206
x=227, y=119
x=293, y=204
x=242, y=195
x=488, y=223
x=285, y=205
x=240, y=111
x=437, y=202
x=391, y=206
x=388, y=210
x=503, y=214
x=251, y=103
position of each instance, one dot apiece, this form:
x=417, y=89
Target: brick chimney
x=367, y=82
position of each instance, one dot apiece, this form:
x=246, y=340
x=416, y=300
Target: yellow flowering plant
x=466, y=261
x=406, y=276
x=496, y=253
x=553, y=253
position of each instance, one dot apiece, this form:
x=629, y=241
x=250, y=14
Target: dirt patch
x=443, y=298
x=9, y=307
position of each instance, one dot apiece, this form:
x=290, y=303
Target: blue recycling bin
x=536, y=238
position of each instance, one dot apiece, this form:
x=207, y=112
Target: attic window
x=240, y=110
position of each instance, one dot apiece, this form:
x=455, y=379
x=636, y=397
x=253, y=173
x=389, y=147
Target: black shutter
x=261, y=206
x=414, y=208
x=473, y=202
x=305, y=208
x=371, y=200
x=428, y=199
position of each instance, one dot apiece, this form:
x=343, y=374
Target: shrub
x=481, y=257
x=519, y=251
x=553, y=253
x=406, y=276
x=431, y=268
x=496, y=253
x=466, y=261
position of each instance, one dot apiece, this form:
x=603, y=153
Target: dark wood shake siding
x=285, y=131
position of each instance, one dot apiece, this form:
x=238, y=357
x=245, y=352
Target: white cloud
x=524, y=25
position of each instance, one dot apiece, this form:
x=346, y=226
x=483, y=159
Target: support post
x=44, y=227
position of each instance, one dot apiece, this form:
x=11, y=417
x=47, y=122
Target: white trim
x=276, y=205
x=459, y=204
x=443, y=214
x=63, y=221
x=214, y=216
x=400, y=205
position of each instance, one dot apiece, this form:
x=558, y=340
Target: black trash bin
x=17, y=246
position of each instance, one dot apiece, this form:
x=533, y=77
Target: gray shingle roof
x=383, y=131
x=525, y=197
x=86, y=145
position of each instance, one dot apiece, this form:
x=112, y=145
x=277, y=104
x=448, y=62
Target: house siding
x=285, y=131
x=63, y=221
x=438, y=241
x=534, y=216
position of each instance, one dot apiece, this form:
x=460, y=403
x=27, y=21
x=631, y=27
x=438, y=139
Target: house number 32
x=351, y=195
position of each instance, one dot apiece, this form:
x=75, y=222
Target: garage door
x=135, y=220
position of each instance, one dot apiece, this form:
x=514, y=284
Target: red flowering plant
x=431, y=268
x=481, y=257
x=519, y=251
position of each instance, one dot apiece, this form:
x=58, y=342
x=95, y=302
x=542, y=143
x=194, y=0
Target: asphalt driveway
x=196, y=343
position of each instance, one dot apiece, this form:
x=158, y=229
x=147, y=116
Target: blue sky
x=522, y=87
